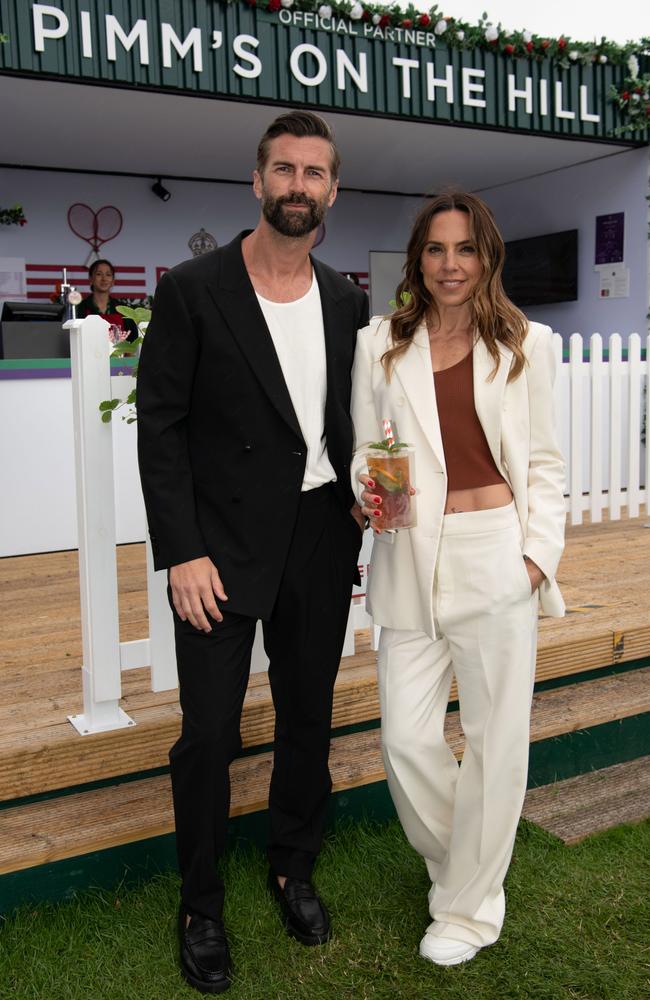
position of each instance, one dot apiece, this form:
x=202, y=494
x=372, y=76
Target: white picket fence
x=600, y=407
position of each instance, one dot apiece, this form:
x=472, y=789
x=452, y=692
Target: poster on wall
x=610, y=232
x=614, y=282
x=12, y=278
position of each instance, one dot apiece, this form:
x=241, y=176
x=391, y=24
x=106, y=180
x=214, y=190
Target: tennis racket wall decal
x=96, y=228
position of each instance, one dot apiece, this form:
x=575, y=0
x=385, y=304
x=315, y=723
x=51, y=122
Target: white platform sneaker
x=445, y=950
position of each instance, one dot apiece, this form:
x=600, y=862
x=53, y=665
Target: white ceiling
x=52, y=124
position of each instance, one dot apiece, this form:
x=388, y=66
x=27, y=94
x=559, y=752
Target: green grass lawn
x=576, y=927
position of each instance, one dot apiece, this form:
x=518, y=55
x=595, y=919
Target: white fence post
x=348, y=641
x=162, y=652
x=615, y=410
x=634, y=423
x=558, y=389
x=647, y=427
x=596, y=466
x=93, y=442
x=576, y=457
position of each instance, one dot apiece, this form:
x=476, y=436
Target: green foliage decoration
x=633, y=101
x=404, y=299
x=461, y=34
x=387, y=446
x=141, y=316
x=13, y=216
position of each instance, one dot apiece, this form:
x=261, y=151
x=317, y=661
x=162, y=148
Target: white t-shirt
x=299, y=339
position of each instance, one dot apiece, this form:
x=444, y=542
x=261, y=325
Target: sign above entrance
x=288, y=57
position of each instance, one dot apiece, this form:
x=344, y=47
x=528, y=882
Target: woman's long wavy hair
x=494, y=316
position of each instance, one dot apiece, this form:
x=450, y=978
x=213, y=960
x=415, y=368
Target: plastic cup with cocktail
x=390, y=467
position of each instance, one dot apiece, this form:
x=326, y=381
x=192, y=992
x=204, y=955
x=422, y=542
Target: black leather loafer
x=304, y=915
x=204, y=954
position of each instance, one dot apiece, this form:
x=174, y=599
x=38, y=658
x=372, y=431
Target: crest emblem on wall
x=201, y=243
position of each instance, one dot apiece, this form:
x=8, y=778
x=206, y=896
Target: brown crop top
x=467, y=454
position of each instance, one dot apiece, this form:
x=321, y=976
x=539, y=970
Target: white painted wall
x=155, y=233
x=37, y=457
x=571, y=199
x=38, y=499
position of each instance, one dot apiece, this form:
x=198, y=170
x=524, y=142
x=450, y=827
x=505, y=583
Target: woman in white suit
x=467, y=381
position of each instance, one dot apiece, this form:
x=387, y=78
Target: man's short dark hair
x=302, y=124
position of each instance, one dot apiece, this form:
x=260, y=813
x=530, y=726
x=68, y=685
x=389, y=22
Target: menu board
x=610, y=231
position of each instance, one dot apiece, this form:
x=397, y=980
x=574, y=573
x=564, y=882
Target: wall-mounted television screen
x=542, y=269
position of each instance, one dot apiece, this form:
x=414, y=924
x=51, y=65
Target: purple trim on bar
x=28, y=373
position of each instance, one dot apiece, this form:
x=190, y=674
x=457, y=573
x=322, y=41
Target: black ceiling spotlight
x=160, y=191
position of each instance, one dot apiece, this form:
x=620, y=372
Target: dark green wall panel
x=63, y=58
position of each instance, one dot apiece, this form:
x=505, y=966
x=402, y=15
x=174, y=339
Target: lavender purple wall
x=571, y=199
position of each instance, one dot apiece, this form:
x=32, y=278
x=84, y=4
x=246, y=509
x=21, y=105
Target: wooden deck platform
x=605, y=577
x=70, y=825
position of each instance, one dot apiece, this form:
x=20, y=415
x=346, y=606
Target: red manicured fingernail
x=376, y=513
x=376, y=499
x=371, y=483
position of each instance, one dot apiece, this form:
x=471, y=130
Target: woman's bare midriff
x=479, y=498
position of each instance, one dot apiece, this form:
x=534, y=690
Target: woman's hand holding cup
x=371, y=502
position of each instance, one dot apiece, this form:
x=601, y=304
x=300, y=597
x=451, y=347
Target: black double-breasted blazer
x=221, y=453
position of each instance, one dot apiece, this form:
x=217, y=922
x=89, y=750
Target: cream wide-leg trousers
x=463, y=820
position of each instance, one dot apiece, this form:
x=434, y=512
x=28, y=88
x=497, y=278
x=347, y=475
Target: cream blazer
x=518, y=420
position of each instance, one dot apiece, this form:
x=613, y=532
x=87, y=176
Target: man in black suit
x=245, y=440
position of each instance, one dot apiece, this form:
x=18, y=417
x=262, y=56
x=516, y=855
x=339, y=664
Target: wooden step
x=589, y=803
x=48, y=757
x=40, y=656
x=89, y=821
x=55, y=756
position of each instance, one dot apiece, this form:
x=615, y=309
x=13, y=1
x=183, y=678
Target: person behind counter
x=100, y=302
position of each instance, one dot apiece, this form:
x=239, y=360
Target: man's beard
x=290, y=223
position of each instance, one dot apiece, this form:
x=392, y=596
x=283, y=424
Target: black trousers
x=303, y=640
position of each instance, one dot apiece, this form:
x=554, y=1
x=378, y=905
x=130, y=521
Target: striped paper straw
x=389, y=434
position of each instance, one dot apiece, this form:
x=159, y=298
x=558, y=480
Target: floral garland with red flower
x=12, y=216
x=461, y=34
x=633, y=99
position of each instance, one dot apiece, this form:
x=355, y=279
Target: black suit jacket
x=221, y=453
